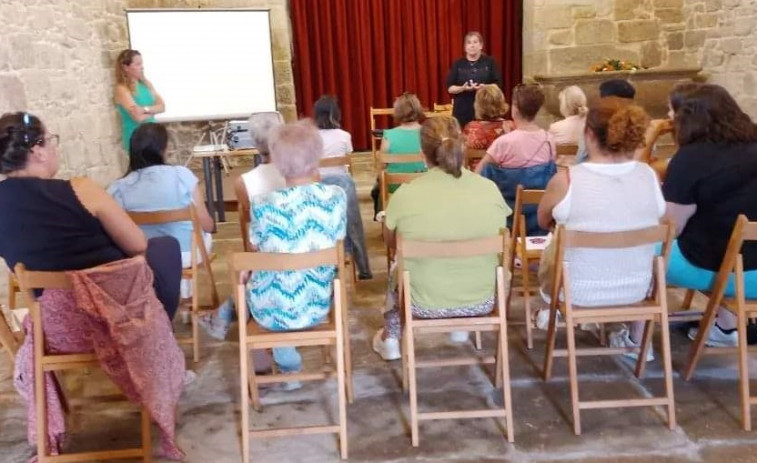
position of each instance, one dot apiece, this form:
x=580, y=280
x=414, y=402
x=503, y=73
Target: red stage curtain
x=367, y=52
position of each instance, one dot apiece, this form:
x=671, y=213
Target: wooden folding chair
x=444, y=108
x=565, y=155
x=523, y=251
x=653, y=309
x=333, y=332
x=376, y=139
x=337, y=161
x=732, y=265
x=243, y=209
x=496, y=321
x=473, y=156
x=192, y=272
x=45, y=362
x=387, y=178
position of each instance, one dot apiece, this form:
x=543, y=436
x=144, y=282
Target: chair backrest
x=567, y=150
x=277, y=262
x=386, y=158
x=495, y=244
x=523, y=198
x=567, y=239
x=743, y=230
x=444, y=107
x=389, y=178
x=472, y=155
x=243, y=209
x=28, y=282
x=337, y=161
x=373, y=112
x=176, y=215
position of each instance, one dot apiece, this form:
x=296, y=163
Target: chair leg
x=667, y=360
x=504, y=375
x=11, y=291
x=212, y=281
x=573, y=373
x=146, y=439
x=347, y=356
x=550, y=348
x=252, y=380
x=343, y=385
x=498, y=366
x=705, y=325
x=646, y=340
x=404, y=349
x=195, y=315
x=245, y=396
x=746, y=411
x=477, y=343
x=413, y=386
x=527, y=303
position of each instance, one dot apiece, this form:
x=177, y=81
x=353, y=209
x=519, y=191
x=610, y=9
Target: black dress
x=482, y=71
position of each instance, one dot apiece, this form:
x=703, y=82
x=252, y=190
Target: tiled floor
x=707, y=407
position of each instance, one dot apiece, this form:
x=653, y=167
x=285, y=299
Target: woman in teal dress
x=136, y=99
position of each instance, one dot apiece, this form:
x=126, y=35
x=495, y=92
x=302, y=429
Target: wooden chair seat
x=495, y=321
x=331, y=333
x=652, y=310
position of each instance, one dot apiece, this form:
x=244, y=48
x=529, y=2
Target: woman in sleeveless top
x=609, y=193
x=53, y=225
x=403, y=139
x=136, y=100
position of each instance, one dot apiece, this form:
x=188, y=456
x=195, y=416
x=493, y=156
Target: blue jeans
x=286, y=358
x=684, y=274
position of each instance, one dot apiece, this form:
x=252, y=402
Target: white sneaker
x=388, y=349
x=542, y=318
x=459, y=337
x=289, y=385
x=716, y=337
x=622, y=338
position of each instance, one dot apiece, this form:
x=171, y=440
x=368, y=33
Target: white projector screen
x=206, y=64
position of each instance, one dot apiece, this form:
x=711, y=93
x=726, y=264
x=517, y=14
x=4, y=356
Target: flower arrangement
x=615, y=65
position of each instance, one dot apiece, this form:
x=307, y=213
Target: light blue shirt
x=297, y=219
x=158, y=188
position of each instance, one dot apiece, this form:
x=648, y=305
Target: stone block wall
x=724, y=31
x=569, y=36
x=56, y=61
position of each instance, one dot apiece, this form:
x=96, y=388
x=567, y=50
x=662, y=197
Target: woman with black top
x=468, y=74
x=54, y=225
x=711, y=180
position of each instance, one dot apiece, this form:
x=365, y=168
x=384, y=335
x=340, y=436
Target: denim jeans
x=286, y=358
x=355, y=242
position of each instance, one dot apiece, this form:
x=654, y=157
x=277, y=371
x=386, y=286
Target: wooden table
x=211, y=170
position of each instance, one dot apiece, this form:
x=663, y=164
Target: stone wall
x=56, y=61
x=723, y=34
x=568, y=36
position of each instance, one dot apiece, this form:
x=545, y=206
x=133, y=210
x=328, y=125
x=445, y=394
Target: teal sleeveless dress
x=142, y=97
x=404, y=141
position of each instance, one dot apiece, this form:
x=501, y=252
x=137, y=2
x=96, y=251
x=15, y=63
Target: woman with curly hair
x=610, y=192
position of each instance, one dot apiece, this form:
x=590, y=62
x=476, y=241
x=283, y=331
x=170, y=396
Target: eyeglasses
x=52, y=140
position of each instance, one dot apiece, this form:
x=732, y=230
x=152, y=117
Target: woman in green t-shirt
x=136, y=99
x=448, y=203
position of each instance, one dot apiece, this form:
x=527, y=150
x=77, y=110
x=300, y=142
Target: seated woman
x=337, y=143
x=403, y=139
x=264, y=177
x=524, y=156
x=304, y=216
x=152, y=185
x=51, y=224
x=573, y=108
x=447, y=203
x=611, y=192
x=490, y=107
x=710, y=181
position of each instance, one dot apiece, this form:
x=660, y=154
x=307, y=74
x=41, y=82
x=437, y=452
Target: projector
x=238, y=135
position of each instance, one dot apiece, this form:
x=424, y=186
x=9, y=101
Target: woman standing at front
x=468, y=74
x=136, y=99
